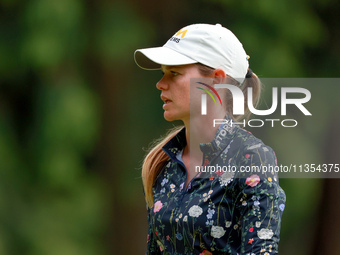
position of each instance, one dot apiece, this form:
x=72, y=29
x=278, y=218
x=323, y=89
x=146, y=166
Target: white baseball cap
x=212, y=45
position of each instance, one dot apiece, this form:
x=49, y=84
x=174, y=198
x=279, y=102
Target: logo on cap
x=176, y=39
x=181, y=32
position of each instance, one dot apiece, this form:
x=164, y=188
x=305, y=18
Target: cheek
x=194, y=100
x=184, y=93
x=184, y=99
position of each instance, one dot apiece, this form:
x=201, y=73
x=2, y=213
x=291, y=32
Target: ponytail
x=154, y=163
x=251, y=81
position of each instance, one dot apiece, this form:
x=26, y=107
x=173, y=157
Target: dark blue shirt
x=233, y=205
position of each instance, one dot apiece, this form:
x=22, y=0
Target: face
x=175, y=88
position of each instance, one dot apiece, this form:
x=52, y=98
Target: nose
x=162, y=84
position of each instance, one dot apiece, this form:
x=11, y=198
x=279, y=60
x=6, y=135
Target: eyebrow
x=169, y=67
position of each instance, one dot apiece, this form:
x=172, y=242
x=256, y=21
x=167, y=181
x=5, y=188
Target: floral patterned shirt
x=221, y=212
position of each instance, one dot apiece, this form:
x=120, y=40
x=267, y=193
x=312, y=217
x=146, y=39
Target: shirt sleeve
x=151, y=241
x=260, y=203
x=152, y=246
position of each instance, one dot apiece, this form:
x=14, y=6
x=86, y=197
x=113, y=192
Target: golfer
x=203, y=183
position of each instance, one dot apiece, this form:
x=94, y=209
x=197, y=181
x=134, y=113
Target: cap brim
x=153, y=58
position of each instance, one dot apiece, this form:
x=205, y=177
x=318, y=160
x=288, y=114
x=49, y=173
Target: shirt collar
x=223, y=136
x=176, y=144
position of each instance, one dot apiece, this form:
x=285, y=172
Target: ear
x=219, y=76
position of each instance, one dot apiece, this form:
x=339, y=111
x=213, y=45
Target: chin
x=168, y=117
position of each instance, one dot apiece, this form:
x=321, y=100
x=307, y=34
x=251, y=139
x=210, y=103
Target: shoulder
x=257, y=172
x=252, y=150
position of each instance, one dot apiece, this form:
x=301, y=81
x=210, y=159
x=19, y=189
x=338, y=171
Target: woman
x=200, y=198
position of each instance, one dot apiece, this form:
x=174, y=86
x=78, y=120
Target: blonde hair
x=154, y=163
x=156, y=158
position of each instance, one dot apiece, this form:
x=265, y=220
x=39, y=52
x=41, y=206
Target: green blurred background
x=76, y=115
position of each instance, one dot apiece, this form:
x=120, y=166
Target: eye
x=174, y=73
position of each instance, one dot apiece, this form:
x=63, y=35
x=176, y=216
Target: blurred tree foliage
x=75, y=113
x=51, y=200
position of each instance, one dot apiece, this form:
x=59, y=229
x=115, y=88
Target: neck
x=199, y=130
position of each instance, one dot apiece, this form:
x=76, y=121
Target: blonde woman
x=201, y=196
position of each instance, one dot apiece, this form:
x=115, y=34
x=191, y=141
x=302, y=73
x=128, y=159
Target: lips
x=166, y=101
